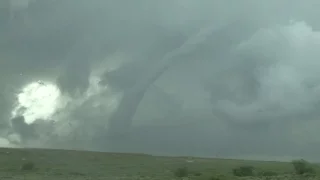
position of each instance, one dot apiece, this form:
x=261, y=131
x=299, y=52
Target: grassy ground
x=80, y=165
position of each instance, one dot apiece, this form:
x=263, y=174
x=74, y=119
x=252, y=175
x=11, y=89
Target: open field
x=81, y=165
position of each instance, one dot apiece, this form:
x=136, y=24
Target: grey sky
x=244, y=82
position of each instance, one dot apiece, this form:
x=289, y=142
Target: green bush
x=27, y=166
x=302, y=167
x=197, y=174
x=243, y=171
x=267, y=173
x=214, y=178
x=181, y=172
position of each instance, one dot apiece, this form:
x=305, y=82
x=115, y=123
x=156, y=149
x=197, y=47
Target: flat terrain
x=81, y=165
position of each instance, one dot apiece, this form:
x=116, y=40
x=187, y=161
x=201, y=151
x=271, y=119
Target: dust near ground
x=83, y=165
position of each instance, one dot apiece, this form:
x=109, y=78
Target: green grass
x=82, y=165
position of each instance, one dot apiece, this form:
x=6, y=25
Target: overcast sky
x=243, y=80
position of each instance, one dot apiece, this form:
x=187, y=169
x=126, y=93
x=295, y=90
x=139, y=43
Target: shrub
x=181, y=172
x=302, y=167
x=27, y=166
x=218, y=177
x=214, y=178
x=267, y=173
x=197, y=174
x=243, y=171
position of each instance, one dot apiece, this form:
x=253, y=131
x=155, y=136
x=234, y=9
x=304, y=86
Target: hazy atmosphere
x=217, y=78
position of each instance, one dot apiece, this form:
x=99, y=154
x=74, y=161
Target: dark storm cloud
x=250, y=80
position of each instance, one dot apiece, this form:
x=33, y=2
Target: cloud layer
x=246, y=76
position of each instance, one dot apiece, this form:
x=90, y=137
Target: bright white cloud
x=37, y=100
